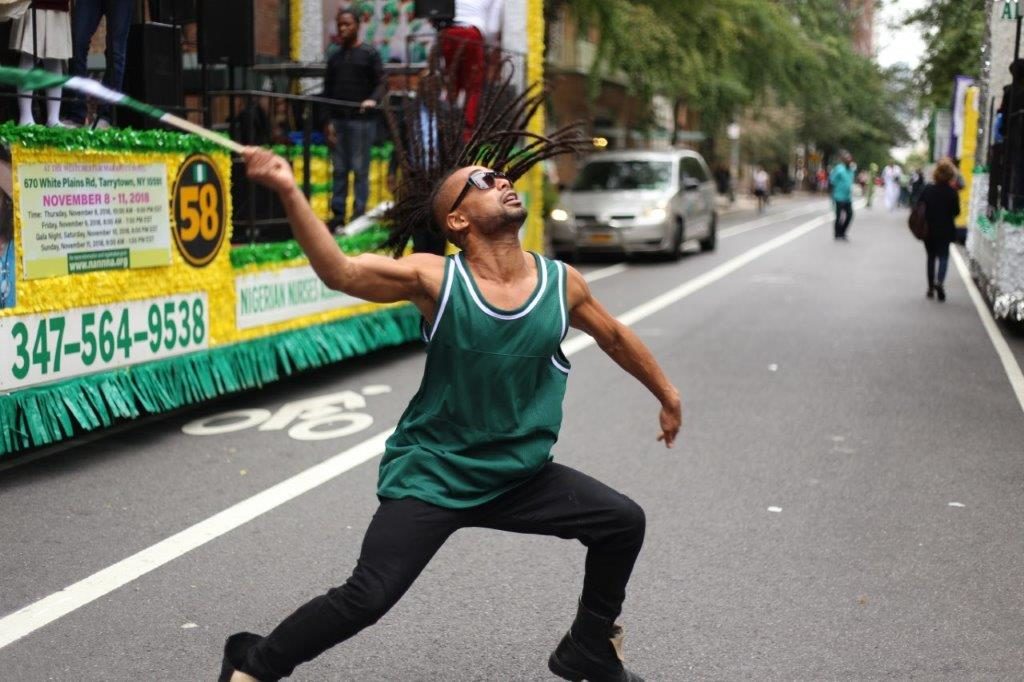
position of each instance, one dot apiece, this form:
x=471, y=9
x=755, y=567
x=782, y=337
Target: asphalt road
x=844, y=501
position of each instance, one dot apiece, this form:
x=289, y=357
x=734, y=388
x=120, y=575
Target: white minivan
x=636, y=202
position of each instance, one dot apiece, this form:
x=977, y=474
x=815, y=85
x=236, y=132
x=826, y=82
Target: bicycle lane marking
x=48, y=609
x=305, y=419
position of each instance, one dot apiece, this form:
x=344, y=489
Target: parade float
x=995, y=206
x=124, y=296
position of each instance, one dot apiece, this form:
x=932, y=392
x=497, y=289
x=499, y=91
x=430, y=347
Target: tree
x=953, y=31
x=725, y=57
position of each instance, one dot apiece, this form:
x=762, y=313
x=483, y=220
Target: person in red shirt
x=476, y=26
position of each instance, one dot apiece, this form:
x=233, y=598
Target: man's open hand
x=671, y=420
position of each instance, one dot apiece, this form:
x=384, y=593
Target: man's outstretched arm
x=624, y=347
x=368, y=276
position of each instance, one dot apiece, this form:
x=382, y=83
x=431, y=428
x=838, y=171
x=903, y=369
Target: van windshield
x=623, y=175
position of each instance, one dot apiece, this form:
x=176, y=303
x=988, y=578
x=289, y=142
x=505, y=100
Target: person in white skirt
x=891, y=182
x=43, y=32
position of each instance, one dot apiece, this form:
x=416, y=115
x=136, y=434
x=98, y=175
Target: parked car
x=634, y=202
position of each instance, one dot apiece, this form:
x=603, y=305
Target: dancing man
x=473, y=448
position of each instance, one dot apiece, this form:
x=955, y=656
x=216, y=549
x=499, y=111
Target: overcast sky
x=895, y=43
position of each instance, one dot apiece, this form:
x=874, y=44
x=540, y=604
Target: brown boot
x=592, y=651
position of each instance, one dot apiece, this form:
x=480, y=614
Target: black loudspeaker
x=172, y=11
x=435, y=10
x=226, y=32
x=152, y=70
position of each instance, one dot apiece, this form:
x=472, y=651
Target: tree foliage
x=953, y=31
x=727, y=57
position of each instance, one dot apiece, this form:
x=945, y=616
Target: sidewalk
x=746, y=202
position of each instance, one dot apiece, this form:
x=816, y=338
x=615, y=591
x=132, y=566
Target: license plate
x=600, y=238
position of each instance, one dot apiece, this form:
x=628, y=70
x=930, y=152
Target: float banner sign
x=36, y=349
x=82, y=217
x=272, y=297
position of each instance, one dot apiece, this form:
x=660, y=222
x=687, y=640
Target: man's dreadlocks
x=431, y=143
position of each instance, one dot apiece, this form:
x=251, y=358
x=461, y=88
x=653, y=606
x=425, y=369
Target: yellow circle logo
x=200, y=212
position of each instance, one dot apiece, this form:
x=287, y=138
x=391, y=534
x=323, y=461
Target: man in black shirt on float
x=354, y=74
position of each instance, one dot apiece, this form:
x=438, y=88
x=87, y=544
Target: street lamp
x=732, y=131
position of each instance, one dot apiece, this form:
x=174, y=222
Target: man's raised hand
x=268, y=169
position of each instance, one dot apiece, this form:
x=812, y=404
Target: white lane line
x=741, y=228
x=581, y=341
x=605, y=272
x=1010, y=366
x=725, y=233
x=48, y=609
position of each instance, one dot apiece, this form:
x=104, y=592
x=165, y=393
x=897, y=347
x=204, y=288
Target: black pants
x=404, y=534
x=844, y=214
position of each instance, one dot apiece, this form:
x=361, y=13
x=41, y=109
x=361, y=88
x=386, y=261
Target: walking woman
x=942, y=206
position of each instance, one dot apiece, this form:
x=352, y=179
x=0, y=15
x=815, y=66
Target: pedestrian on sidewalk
x=821, y=180
x=723, y=181
x=917, y=183
x=761, y=188
x=869, y=184
x=942, y=206
x=891, y=185
x=904, y=200
x=355, y=75
x=473, y=448
x=841, y=179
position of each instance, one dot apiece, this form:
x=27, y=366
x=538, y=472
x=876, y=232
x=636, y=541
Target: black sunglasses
x=480, y=180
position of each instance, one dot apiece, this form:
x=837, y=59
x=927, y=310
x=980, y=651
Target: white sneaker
x=101, y=124
x=68, y=123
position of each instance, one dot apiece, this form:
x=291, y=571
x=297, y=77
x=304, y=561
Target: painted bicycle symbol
x=321, y=418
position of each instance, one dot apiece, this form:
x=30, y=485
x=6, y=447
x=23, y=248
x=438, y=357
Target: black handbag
x=917, y=221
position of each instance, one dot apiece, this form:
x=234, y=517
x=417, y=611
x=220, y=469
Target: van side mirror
x=690, y=184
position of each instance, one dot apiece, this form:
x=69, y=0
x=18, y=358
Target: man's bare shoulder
x=423, y=262
x=429, y=269
x=576, y=286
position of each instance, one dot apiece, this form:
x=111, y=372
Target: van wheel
x=709, y=243
x=676, y=249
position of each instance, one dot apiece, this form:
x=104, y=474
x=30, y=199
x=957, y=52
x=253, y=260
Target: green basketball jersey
x=489, y=407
